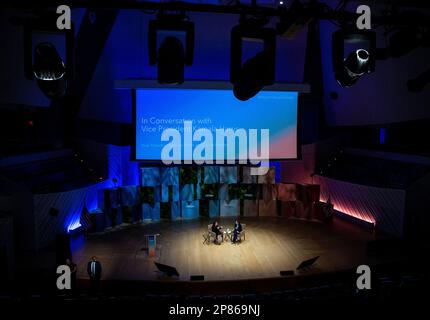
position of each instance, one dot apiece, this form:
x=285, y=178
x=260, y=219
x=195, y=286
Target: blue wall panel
x=190, y=209
x=150, y=177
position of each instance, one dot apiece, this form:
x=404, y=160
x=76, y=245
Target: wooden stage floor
x=271, y=245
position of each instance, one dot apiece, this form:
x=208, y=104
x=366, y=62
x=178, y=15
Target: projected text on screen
x=212, y=126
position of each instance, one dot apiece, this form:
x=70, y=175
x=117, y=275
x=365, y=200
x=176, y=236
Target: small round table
x=227, y=234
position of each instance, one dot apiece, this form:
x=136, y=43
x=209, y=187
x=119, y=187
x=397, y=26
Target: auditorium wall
x=383, y=207
x=21, y=205
x=313, y=155
x=299, y=171
x=68, y=205
x=110, y=161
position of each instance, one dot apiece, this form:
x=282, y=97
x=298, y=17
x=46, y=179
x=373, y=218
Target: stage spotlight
x=259, y=71
x=171, y=61
x=49, y=70
x=360, y=61
x=44, y=64
x=355, y=65
x=253, y=76
x=171, y=56
x=48, y=65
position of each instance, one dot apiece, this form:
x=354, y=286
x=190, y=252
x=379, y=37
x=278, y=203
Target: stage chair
x=243, y=233
x=211, y=234
x=206, y=238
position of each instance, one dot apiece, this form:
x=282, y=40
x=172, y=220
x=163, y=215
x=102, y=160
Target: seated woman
x=237, y=230
x=217, y=229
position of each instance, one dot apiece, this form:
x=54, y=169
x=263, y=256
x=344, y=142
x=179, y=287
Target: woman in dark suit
x=217, y=229
x=237, y=230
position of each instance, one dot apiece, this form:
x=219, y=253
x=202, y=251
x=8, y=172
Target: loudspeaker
x=53, y=212
x=307, y=263
x=168, y=270
x=197, y=278
x=286, y=273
